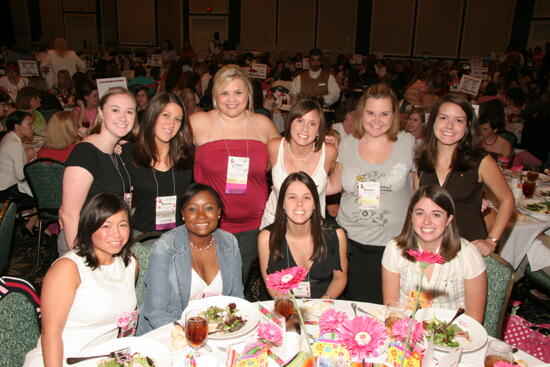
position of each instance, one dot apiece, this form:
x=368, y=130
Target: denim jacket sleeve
x=234, y=261
x=162, y=303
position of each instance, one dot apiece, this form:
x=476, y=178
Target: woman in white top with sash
x=302, y=148
x=430, y=225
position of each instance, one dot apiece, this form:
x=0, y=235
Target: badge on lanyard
x=303, y=290
x=128, y=199
x=237, y=175
x=165, y=212
x=368, y=195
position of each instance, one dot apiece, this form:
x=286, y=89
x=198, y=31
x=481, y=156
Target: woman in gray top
x=373, y=172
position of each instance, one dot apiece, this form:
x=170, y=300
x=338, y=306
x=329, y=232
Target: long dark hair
x=279, y=226
x=408, y=239
x=467, y=153
x=299, y=109
x=181, y=146
x=93, y=215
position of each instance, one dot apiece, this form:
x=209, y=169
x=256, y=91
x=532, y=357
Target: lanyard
x=115, y=163
x=157, y=184
x=225, y=140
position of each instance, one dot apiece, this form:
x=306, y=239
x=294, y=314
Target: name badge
x=165, y=212
x=322, y=84
x=237, y=175
x=368, y=195
x=128, y=199
x=303, y=290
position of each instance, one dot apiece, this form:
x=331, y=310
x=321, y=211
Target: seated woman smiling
x=299, y=237
x=190, y=262
x=430, y=225
x=88, y=288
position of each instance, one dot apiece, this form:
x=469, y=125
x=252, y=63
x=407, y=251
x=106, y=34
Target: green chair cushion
x=6, y=234
x=499, y=278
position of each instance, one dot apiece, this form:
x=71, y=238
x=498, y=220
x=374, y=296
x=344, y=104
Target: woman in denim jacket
x=190, y=262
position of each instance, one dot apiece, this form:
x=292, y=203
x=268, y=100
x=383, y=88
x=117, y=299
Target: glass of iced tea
x=528, y=188
x=498, y=351
x=196, y=330
x=284, y=306
x=394, y=311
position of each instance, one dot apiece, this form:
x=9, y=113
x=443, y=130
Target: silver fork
x=117, y=354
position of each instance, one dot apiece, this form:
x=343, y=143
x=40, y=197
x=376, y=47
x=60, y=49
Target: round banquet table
x=214, y=355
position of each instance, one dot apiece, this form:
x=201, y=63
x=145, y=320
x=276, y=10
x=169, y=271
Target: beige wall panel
x=336, y=28
x=218, y=6
x=438, y=27
x=542, y=8
x=51, y=13
x=258, y=32
x=136, y=21
x=73, y=5
x=392, y=22
x=487, y=26
x=296, y=25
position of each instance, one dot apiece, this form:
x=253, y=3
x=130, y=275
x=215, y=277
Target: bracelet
x=326, y=296
x=494, y=240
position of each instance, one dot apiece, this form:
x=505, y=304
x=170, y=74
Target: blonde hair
x=227, y=74
x=60, y=132
x=377, y=91
x=103, y=100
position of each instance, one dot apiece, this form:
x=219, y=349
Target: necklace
x=485, y=140
x=195, y=247
x=298, y=159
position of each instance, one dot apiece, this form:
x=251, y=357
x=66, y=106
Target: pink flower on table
x=427, y=257
x=124, y=319
x=268, y=333
x=400, y=330
x=330, y=320
x=503, y=364
x=286, y=279
x=362, y=336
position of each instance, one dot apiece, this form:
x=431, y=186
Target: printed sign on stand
x=258, y=71
x=305, y=63
x=28, y=68
x=103, y=85
x=155, y=60
x=479, y=72
x=469, y=85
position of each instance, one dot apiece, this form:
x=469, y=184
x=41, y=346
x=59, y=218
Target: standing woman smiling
x=92, y=167
x=160, y=164
x=231, y=156
x=303, y=148
x=374, y=170
x=450, y=156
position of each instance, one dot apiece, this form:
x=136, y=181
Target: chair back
x=7, y=224
x=19, y=320
x=142, y=247
x=45, y=177
x=500, y=280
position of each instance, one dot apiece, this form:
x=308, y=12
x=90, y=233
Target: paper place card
x=469, y=85
x=103, y=85
x=258, y=71
x=28, y=68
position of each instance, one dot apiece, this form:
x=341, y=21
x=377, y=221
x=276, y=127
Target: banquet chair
x=19, y=314
x=8, y=212
x=141, y=247
x=500, y=280
x=45, y=177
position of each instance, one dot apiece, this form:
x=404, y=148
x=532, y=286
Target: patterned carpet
x=22, y=264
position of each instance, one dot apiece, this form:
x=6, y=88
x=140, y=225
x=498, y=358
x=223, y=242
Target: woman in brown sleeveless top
x=450, y=156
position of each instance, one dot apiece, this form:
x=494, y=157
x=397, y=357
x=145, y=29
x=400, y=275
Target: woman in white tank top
x=302, y=148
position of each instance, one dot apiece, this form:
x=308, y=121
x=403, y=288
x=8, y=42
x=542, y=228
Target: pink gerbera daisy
x=503, y=364
x=268, y=333
x=427, y=257
x=286, y=279
x=362, y=336
x=331, y=320
x=400, y=329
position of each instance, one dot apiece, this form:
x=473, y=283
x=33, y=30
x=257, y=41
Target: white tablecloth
x=217, y=356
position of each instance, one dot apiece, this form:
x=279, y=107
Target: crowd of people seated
x=370, y=160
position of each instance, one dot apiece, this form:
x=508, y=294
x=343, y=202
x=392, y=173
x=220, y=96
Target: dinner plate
x=543, y=179
x=477, y=333
x=523, y=207
x=543, y=193
x=142, y=345
x=246, y=310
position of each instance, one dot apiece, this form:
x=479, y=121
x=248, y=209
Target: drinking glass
x=394, y=311
x=528, y=188
x=196, y=330
x=284, y=306
x=498, y=351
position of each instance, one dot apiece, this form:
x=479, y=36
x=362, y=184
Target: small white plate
x=543, y=193
x=151, y=348
x=522, y=206
x=245, y=309
x=477, y=333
